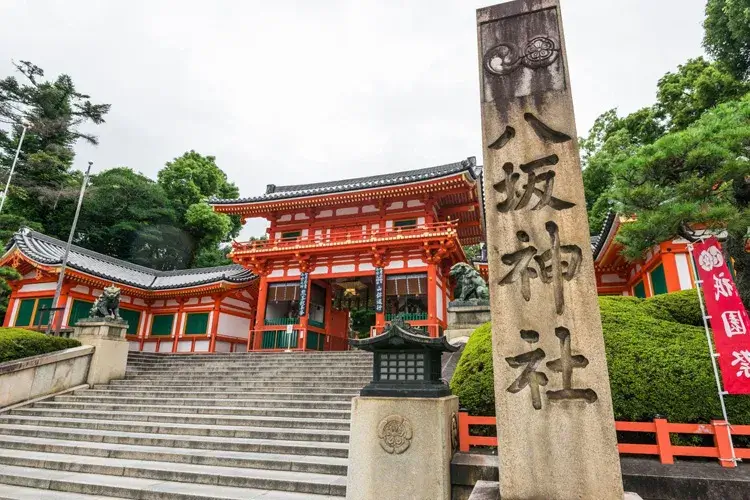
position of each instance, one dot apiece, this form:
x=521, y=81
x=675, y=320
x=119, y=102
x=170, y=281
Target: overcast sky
x=302, y=91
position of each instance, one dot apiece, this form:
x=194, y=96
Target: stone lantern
x=406, y=362
x=404, y=422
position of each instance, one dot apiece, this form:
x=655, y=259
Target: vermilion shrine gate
x=383, y=243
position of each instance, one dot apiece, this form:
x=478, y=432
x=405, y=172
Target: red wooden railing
x=341, y=237
x=663, y=448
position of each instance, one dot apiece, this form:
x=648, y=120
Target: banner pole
x=699, y=287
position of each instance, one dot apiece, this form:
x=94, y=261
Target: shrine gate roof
x=46, y=250
x=274, y=192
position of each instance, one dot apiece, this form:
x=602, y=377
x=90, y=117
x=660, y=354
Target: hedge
x=16, y=343
x=658, y=363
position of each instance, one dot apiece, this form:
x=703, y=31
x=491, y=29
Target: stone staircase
x=234, y=426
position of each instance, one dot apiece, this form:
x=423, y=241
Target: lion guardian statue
x=107, y=305
x=469, y=283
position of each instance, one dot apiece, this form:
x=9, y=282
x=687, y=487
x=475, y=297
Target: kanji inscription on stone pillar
x=554, y=408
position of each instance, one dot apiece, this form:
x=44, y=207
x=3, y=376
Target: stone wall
x=36, y=376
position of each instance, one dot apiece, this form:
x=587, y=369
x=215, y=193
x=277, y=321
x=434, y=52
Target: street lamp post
x=64, y=264
x=26, y=125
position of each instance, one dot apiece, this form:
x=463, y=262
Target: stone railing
x=36, y=376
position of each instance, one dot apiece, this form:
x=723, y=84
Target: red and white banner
x=729, y=319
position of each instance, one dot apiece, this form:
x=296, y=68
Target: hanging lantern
x=747, y=240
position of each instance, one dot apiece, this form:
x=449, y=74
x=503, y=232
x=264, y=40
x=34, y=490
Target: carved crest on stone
x=395, y=434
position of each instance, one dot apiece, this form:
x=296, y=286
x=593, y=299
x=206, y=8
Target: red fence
x=663, y=448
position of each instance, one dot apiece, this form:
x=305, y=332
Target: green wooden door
x=162, y=324
x=133, y=319
x=79, y=310
x=25, y=310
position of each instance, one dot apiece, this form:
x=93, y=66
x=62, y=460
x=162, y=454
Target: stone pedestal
x=110, y=348
x=401, y=448
x=464, y=318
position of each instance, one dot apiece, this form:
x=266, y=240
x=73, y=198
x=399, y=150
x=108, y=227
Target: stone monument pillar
x=554, y=410
x=110, y=347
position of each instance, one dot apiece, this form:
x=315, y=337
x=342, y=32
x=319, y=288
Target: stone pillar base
x=401, y=448
x=110, y=348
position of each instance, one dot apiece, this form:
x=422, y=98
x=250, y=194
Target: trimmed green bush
x=680, y=307
x=656, y=366
x=17, y=343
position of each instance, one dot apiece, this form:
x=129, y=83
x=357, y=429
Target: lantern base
x=399, y=389
x=401, y=448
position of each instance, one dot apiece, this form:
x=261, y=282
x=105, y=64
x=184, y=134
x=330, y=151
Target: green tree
x=697, y=175
x=120, y=204
x=727, y=34
x=610, y=140
x=473, y=252
x=57, y=112
x=696, y=86
x=6, y=274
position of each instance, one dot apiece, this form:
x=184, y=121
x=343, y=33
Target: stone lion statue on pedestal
x=469, y=283
x=107, y=306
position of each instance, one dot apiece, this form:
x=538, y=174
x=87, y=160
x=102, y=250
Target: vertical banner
x=379, y=282
x=303, y=279
x=729, y=319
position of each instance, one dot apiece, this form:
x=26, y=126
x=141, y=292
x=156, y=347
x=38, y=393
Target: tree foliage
x=696, y=86
x=699, y=175
x=727, y=34
x=164, y=225
x=658, y=362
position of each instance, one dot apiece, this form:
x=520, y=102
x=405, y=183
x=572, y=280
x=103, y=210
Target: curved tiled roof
x=274, y=192
x=597, y=241
x=47, y=250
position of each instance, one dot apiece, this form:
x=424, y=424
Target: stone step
x=139, y=488
x=303, y=482
x=8, y=492
x=363, y=363
x=333, y=436
x=202, y=410
x=240, y=420
x=227, y=395
x=275, y=461
x=316, y=448
x=310, y=388
x=268, y=403
x=186, y=378
x=270, y=373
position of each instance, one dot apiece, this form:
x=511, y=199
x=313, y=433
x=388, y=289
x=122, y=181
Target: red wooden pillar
x=260, y=315
x=62, y=301
x=178, y=323
x=11, y=305
x=215, y=322
x=431, y=295
x=671, y=274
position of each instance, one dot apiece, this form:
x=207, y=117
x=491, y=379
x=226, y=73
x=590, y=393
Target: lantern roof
x=400, y=335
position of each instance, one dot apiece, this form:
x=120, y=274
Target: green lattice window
x=291, y=235
x=196, y=324
x=405, y=223
x=79, y=310
x=31, y=308
x=133, y=318
x=162, y=324
x=639, y=290
x=659, y=280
